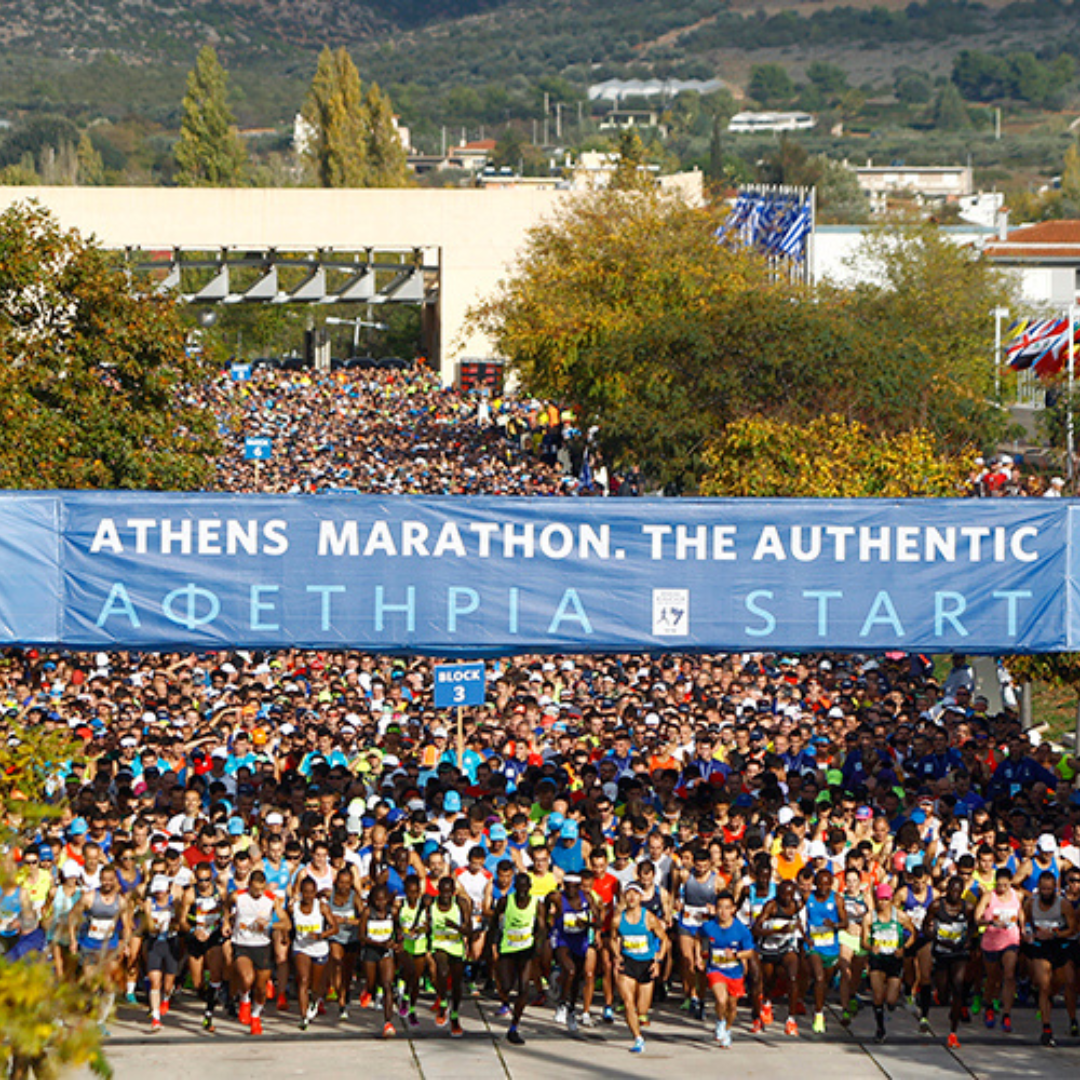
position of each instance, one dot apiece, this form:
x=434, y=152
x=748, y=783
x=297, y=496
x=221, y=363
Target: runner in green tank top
x=414, y=918
x=885, y=929
x=521, y=922
x=451, y=933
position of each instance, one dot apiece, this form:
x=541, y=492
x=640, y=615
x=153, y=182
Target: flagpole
x=997, y=353
x=1070, y=441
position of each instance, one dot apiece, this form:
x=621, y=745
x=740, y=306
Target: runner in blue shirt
x=726, y=946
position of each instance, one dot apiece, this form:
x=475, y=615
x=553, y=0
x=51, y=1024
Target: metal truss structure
x=268, y=276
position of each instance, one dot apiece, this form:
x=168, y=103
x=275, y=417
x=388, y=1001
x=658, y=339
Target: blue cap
x=555, y=821
x=452, y=802
x=498, y=832
x=569, y=830
x=236, y=826
x=394, y=816
x=78, y=827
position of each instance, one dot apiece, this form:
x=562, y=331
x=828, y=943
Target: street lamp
x=333, y=320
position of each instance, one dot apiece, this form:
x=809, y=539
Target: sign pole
x=460, y=742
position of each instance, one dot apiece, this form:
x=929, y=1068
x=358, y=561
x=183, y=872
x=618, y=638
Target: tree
x=948, y=112
x=336, y=144
x=1057, y=669
x=631, y=171
x=830, y=79
x=91, y=166
x=770, y=84
x=1070, y=175
x=767, y=458
x=209, y=153
x=386, y=164
x=46, y=1024
x=929, y=301
x=93, y=369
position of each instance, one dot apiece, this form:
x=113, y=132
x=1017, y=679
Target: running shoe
x=414, y=1020
x=304, y=1024
x=164, y=1006
x=1074, y=1029
x=791, y=1027
x=388, y=1031
x=965, y=1015
x=757, y=1027
x=988, y=1017
x=819, y=1024
x=953, y=1042
x=514, y=1036
x=976, y=1003
x=282, y=1002
x=766, y=1013
x=799, y=1008
x=503, y=1011
x=697, y=1009
x=244, y=1015
x=155, y=1024
x=312, y=1012
x=343, y=1012
x=879, y=1035
x=608, y=1015
x=719, y=1032
x=208, y=1023
x=1006, y=1024
x=269, y=989
x=847, y=1016
x=256, y=1025
x=639, y=1046
x=726, y=1042
x=644, y=1020
x=924, y=1025
x=130, y=998
x=587, y=1020
x=403, y=1008
x=441, y=1018
x=560, y=1014
x=456, y=1030
x=365, y=1000
x=541, y=999
x=320, y=1007
x=571, y=1022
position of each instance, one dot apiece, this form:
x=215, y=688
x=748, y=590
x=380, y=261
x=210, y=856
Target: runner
x=778, y=934
x=1001, y=915
x=950, y=925
x=415, y=958
x=853, y=956
x=695, y=904
x=344, y=905
x=1049, y=922
x=379, y=937
x=202, y=913
x=638, y=943
x=825, y=915
x=885, y=929
x=161, y=915
x=314, y=924
x=520, y=917
x=248, y=927
x=450, y=919
x=727, y=946
x=101, y=924
x=573, y=915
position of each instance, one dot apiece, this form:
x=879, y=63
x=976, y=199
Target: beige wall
x=477, y=232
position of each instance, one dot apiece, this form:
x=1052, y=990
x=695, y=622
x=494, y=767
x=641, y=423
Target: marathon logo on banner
x=488, y=576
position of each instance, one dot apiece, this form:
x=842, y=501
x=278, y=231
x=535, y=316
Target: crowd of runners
x=289, y=837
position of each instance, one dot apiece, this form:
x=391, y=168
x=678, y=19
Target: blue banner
x=475, y=577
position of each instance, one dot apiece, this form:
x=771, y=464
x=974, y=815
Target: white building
x=748, y=123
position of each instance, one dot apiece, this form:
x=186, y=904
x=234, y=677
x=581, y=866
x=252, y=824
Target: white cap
x=71, y=869
x=160, y=883
x=1047, y=843
x=274, y=818
x=786, y=815
x=439, y=733
x=817, y=850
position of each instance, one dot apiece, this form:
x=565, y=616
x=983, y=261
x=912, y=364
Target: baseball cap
x=498, y=832
x=452, y=802
x=569, y=830
x=884, y=891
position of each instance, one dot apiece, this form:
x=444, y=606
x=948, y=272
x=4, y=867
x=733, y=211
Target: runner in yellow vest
x=451, y=933
x=520, y=917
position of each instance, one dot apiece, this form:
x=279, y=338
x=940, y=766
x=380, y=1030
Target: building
x=616, y=90
x=927, y=183
x=748, y=123
x=1045, y=257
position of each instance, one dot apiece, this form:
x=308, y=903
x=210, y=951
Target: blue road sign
x=457, y=685
x=240, y=372
x=258, y=448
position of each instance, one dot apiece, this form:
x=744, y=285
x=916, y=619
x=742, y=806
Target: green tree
x=91, y=165
x=47, y=1025
x=1070, y=175
x=769, y=458
x=948, y=111
x=1057, y=669
x=209, y=153
x=631, y=169
x=830, y=79
x=92, y=369
x=770, y=85
x=929, y=301
x=386, y=165
x=335, y=118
